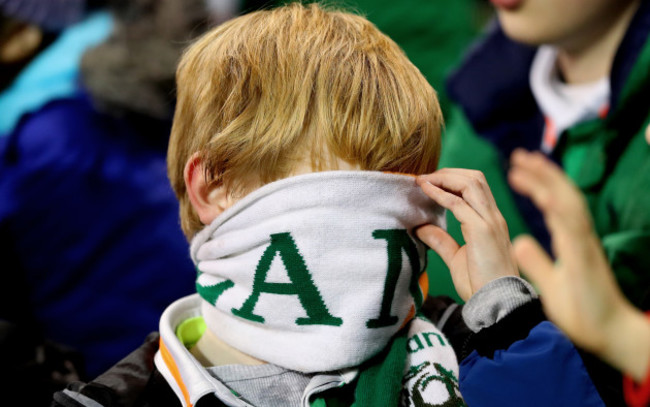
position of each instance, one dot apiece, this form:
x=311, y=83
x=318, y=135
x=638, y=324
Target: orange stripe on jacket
x=171, y=365
x=550, y=135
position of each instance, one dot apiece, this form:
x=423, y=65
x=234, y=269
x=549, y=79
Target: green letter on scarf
x=397, y=241
x=301, y=284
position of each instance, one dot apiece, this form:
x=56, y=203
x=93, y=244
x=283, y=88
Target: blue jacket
x=89, y=230
x=524, y=360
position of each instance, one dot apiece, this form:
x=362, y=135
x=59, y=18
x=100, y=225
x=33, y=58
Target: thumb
x=439, y=241
x=533, y=261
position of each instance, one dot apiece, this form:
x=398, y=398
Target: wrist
x=495, y=300
x=514, y=327
x=627, y=345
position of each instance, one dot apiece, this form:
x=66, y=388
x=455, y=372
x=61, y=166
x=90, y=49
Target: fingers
x=545, y=183
x=540, y=179
x=469, y=184
x=455, y=204
x=534, y=176
x=534, y=262
x=439, y=241
x=567, y=217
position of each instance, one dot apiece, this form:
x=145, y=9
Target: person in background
x=569, y=79
x=578, y=290
x=41, y=44
x=88, y=223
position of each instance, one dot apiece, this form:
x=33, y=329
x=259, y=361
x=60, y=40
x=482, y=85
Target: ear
x=208, y=200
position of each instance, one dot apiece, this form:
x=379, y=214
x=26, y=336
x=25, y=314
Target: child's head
x=566, y=23
x=273, y=91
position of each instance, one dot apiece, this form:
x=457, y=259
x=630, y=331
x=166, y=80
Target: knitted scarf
x=316, y=272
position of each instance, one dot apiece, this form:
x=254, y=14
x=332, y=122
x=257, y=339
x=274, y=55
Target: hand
x=578, y=291
x=487, y=254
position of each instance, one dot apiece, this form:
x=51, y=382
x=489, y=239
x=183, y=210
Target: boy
x=291, y=127
x=569, y=78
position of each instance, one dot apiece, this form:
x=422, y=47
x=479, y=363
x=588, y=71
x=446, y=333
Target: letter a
x=301, y=284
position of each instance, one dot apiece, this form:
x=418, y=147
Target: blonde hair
x=266, y=91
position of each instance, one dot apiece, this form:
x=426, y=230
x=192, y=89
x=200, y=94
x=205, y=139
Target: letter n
x=397, y=241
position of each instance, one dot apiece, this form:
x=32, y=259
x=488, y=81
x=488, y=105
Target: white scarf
x=315, y=272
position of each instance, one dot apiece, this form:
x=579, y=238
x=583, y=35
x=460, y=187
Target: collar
x=564, y=105
x=185, y=375
x=191, y=382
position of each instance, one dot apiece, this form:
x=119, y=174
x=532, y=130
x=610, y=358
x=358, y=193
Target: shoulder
x=616, y=180
x=632, y=169
x=134, y=381
x=492, y=80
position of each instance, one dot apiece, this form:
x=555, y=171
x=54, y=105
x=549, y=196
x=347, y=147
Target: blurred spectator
x=571, y=79
x=88, y=222
x=40, y=55
x=40, y=48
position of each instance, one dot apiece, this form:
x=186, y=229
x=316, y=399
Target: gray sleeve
x=495, y=300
